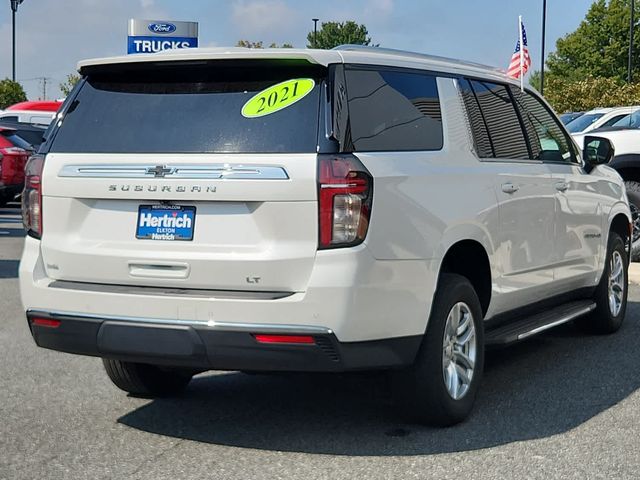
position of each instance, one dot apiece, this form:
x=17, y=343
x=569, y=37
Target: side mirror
x=597, y=151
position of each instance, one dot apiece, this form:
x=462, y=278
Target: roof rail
x=422, y=56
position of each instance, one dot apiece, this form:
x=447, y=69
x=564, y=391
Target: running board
x=527, y=327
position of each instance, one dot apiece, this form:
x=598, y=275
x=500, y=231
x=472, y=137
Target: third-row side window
x=393, y=110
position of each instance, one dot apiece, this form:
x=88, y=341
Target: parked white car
x=314, y=210
x=27, y=116
x=625, y=137
x=598, y=118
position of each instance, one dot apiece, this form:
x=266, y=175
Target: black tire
x=144, y=380
x=422, y=389
x=633, y=193
x=602, y=320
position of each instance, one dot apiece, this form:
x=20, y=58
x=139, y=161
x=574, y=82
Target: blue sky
x=54, y=34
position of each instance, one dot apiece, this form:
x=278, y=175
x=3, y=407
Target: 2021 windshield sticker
x=277, y=97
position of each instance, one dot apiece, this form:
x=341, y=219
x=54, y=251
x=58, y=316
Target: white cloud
x=260, y=19
x=384, y=7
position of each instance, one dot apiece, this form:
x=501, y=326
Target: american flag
x=514, y=67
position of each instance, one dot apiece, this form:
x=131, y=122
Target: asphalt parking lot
x=563, y=405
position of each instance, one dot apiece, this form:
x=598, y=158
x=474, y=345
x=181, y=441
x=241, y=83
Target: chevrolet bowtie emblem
x=159, y=171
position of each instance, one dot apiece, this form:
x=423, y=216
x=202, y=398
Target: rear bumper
x=209, y=347
x=357, y=297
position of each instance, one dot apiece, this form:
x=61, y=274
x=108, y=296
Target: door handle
x=562, y=186
x=510, y=188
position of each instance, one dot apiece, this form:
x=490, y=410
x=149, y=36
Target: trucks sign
x=150, y=36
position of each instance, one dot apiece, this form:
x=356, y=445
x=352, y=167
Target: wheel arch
x=619, y=224
x=470, y=258
x=628, y=166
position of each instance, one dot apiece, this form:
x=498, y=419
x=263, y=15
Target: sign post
x=150, y=36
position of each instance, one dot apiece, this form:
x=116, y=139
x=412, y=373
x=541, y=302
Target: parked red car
x=14, y=152
x=38, y=105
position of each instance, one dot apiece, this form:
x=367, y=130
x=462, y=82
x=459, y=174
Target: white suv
x=310, y=210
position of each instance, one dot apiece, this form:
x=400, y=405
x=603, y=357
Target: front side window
x=392, y=110
x=547, y=139
x=613, y=121
x=629, y=121
x=583, y=122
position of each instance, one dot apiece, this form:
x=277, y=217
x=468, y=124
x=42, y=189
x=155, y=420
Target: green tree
x=11, y=92
x=332, y=34
x=534, y=79
x=250, y=44
x=69, y=83
x=599, y=46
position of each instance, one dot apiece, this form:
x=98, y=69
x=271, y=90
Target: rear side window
x=501, y=121
x=613, y=120
x=15, y=140
x=479, y=130
x=392, y=110
x=180, y=108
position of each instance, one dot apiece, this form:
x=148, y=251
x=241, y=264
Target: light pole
x=315, y=32
x=14, y=9
x=544, y=27
x=631, y=26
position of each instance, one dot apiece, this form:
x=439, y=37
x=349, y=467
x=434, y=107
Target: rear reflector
x=285, y=339
x=45, y=322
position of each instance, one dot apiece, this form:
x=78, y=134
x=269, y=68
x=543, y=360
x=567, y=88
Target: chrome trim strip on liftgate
x=214, y=171
x=168, y=291
x=215, y=325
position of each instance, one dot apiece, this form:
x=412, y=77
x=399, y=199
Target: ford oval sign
x=162, y=27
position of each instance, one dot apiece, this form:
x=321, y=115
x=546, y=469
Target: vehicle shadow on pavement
x=537, y=389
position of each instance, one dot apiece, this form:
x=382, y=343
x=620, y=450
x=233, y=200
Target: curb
x=634, y=273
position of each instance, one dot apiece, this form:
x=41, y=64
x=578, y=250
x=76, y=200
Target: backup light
x=345, y=196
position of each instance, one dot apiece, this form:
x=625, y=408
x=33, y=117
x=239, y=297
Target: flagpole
x=521, y=53
x=544, y=26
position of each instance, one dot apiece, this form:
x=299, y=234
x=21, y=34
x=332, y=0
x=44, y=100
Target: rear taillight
x=345, y=195
x=45, y=322
x=32, y=196
x=14, y=151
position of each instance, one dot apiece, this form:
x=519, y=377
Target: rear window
x=15, y=140
x=178, y=108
